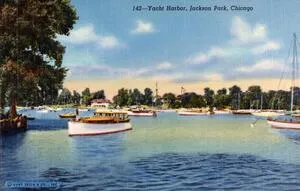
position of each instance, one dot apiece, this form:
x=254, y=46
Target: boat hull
x=221, y=112
x=284, y=124
x=241, y=113
x=187, y=113
x=150, y=114
x=266, y=114
x=67, y=116
x=89, y=129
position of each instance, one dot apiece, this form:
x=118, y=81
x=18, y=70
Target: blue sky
x=112, y=42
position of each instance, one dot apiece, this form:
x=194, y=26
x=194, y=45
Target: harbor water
x=169, y=152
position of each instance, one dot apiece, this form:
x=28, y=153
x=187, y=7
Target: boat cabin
x=120, y=115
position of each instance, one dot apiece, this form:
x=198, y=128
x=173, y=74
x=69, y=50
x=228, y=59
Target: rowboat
x=104, y=122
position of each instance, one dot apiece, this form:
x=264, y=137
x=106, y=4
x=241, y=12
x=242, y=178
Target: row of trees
x=127, y=97
x=234, y=98
x=66, y=97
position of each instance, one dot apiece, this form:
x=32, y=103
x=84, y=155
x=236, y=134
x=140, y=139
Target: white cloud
x=87, y=34
x=164, y=66
x=143, y=27
x=262, y=65
x=213, y=77
x=245, y=33
x=82, y=35
x=108, y=41
x=268, y=46
x=200, y=57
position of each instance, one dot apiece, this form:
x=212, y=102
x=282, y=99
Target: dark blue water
x=142, y=160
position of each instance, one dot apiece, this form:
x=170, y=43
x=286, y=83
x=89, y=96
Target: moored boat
x=67, y=115
x=194, y=112
x=267, y=114
x=83, y=110
x=241, y=112
x=142, y=113
x=291, y=123
x=104, y=122
x=191, y=113
x=222, y=112
x=28, y=117
x=284, y=124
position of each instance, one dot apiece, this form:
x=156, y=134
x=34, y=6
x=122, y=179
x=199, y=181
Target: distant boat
x=29, y=117
x=284, y=124
x=267, y=113
x=142, y=113
x=222, y=112
x=242, y=112
x=42, y=111
x=167, y=110
x=83, y=110
x=293, y=122
x=68, y=115
x=191, y=113
x=105, y=122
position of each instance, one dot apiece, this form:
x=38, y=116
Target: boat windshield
x=122, y=116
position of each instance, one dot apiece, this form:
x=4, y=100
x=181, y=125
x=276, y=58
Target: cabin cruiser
x=103, y=122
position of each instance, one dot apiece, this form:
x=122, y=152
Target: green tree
x=137, y=97
x=65, y=97
x=86, y=96
x=121, y=99
x=130, y=100
x=148, y=97
x=221, y=99
x=208, y=96
x=283, y=99
x=235, y=96
x=76, y=97
x=99, y=95
x=29, y=48
x=169, y=99
x=251, y=98
x=191, y=99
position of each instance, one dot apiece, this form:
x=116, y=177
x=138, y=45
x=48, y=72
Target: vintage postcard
x=149, y=95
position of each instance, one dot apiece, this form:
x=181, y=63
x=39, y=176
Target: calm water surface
x=169, y=152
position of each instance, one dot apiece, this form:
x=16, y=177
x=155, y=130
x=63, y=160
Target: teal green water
x=213, y=134
x=165, y=153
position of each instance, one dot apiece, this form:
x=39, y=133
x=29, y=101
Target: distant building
x=100, y=103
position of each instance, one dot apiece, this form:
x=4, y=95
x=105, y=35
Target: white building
x=100, y=103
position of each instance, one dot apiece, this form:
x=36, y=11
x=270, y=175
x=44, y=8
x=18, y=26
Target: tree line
x=234, y=98
x=85, y=98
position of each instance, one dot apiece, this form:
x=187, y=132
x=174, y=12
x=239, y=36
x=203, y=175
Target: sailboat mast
x=239, y=100
x=293, y=70
x=261, y=101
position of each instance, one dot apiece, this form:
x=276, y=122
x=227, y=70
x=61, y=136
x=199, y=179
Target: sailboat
x=291, y=123
x=266, y=113
x=241, y=111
